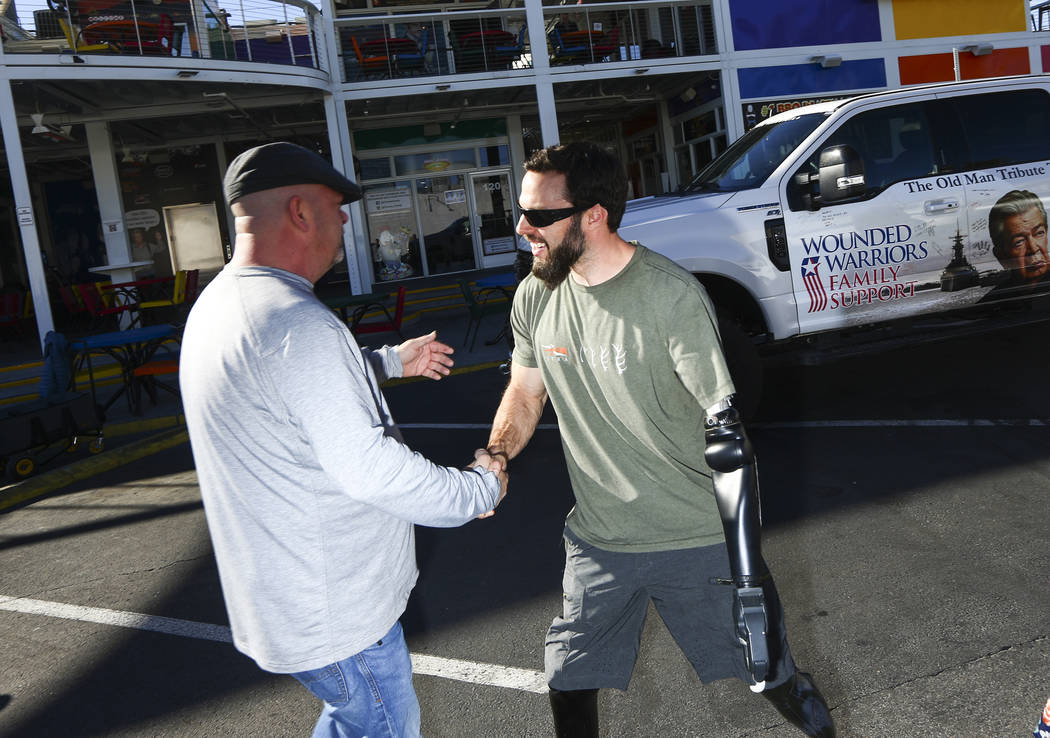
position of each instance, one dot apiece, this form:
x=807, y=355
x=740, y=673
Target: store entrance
x=493, y=212
x=444, y=217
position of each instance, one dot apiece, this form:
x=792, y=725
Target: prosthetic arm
x=732, y=461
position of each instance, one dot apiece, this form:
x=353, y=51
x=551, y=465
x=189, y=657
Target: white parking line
x=493, y=675
x=774, y=424
x=913, y=423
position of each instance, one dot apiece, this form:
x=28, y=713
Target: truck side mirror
x=841, y=173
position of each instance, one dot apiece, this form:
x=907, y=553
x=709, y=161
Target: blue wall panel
x=806, y=79
x=775, y=24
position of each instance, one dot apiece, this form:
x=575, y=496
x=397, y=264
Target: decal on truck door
x=931, y=232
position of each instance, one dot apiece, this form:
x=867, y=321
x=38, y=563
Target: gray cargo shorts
x=606, y=595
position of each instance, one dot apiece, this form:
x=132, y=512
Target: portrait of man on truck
x=1017, y=226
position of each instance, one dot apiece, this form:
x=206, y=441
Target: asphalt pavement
x=904, y=501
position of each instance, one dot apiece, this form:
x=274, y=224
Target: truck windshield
x=753, y=156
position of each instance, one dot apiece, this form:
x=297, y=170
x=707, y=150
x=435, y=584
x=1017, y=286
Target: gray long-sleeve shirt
x=309, y=491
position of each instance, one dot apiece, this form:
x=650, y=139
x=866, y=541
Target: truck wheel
x=745, y=366
x=20, y=467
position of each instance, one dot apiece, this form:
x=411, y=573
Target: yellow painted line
x=17, y=367
x=19, y=382
x=52, y=481
x=145, y=425
x=82, y=384
x=460, y=370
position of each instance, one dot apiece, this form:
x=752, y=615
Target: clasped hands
x=493, y=462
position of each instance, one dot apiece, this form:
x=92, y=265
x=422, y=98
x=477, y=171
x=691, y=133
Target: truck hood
x=647, y=210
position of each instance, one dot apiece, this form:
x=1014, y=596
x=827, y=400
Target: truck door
x=1004, y=161
x=876, y=249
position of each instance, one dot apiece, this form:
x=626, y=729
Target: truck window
x=754, y=156
x=1002, y=128
x=893, y=142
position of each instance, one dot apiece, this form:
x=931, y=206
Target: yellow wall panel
x=932, y=18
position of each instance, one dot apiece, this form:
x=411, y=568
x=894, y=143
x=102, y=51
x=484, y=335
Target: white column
x=674, y=177
x=541, y=67
x=231, y=222
x=110, y=204
x=24, y=208
x=355, y=242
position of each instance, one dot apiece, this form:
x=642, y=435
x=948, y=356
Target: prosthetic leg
x=575, y=713
x=732, y=461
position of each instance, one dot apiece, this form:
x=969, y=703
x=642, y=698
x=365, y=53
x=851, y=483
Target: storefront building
x=119, y=116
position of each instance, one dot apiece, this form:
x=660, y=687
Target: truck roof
x=829, y=106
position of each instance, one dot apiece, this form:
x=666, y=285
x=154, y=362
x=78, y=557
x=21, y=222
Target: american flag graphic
x=818, y=298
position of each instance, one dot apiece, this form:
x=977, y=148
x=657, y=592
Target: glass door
x=444, y=217
x=493, y=213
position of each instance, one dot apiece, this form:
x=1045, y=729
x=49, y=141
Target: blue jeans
x=368, y=694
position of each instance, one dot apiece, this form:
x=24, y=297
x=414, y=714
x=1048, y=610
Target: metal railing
x=394, y=45
x=269, y=31
x=609, y=32
x=394, y=42
x=373, y=44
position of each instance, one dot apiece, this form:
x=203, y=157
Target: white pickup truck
x=857, y=224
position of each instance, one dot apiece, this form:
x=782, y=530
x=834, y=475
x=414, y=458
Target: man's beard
x=560, y=259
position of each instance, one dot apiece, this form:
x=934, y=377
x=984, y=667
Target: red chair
x=143, y=37
x=95, y=303
x=607, y=48
x=11, y=309
x=157, y=38
x=381, y=326
x=370, y=64
x=75, y=309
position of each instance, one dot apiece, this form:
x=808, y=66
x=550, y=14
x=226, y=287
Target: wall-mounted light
x=975, y=49
x=442, y=88
x=643, y=70
x=827, y=61
x=186, y=73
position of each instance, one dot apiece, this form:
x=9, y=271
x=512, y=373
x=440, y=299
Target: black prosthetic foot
x=799, y=700
x=575, y=713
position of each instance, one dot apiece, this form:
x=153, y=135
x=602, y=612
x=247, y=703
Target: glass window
x=434, y=161
x=374, y=168
x=754, y=156
x=392, y=231
x=685, y=164
x=495, y=156
x=1003, y=128
x=894, y=143
x=701, y=125
x=702, y=152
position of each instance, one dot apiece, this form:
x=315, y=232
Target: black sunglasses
x=544, y=218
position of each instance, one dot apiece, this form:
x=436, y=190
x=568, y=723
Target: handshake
x=495, y=461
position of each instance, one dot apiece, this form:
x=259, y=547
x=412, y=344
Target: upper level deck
x=358, y=46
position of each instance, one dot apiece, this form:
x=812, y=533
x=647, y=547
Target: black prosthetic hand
x=731, y=458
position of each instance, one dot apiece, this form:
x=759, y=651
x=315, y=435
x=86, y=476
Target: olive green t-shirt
x=630, y=366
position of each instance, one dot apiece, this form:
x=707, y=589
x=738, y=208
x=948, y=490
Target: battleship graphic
x=960, y=273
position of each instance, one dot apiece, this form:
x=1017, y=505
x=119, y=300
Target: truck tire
x=745, y=366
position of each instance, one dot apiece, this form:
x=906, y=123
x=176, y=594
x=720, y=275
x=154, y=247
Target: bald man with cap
x=309, y=490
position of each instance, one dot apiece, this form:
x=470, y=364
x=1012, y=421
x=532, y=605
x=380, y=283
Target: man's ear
x=595, y=217
x=299, y=214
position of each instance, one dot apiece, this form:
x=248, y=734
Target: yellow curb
x=461, y=370
x=44, y=484
x=144, y=426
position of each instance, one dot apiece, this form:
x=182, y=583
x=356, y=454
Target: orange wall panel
x=916, y=70
x=933, y=18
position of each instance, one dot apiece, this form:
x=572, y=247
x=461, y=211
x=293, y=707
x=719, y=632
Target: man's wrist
x=494, y=452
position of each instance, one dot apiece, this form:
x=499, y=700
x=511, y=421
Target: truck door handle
x=940, y=206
